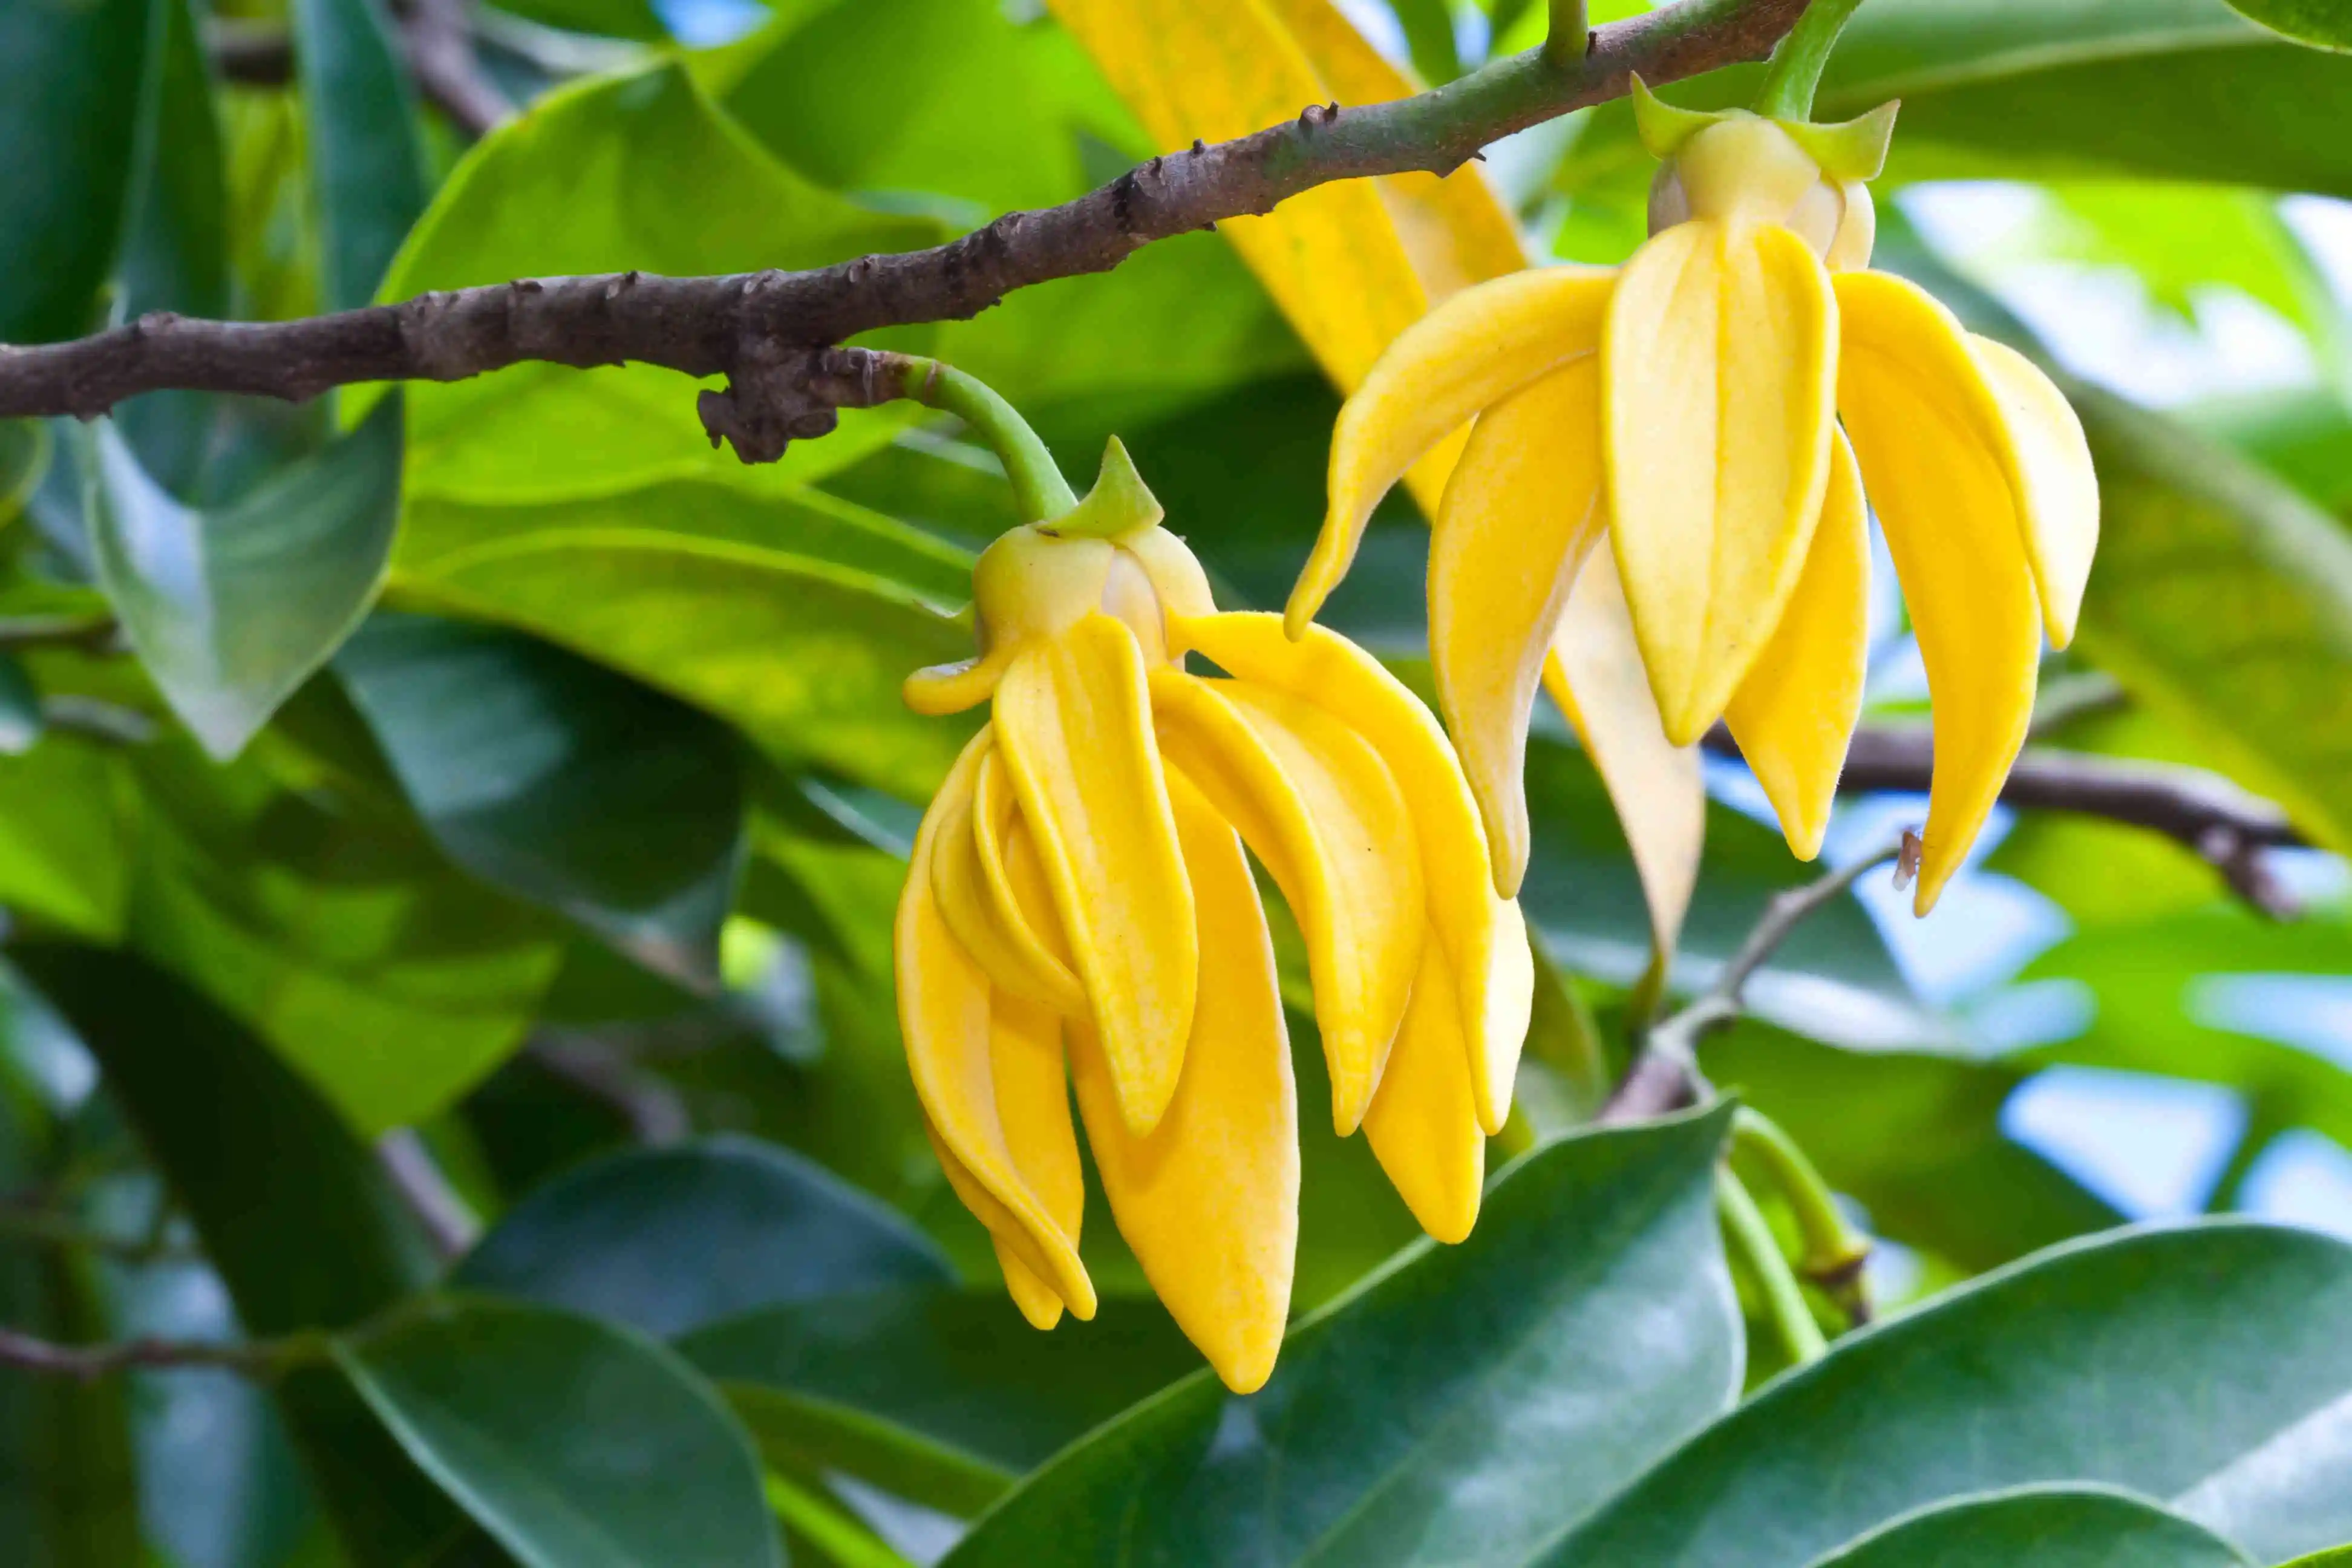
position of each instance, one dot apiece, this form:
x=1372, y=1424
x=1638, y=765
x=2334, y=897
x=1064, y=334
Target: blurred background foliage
x=449, y=836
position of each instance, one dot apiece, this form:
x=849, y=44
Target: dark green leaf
x=232, y=608
x=367, y=164
x=2201, y=1366
x=576, y=1444
x=292, y=1210
x=939, y=1396
x=2049, y=1526
x=671, y=1239
x=2323, y=24
x=69, y=76
x=560, y=782
x=1465, y=1405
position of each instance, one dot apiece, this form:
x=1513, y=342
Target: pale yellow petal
x=1323, y=811
x=938, y=689
x=1209, y=1201
x=1423, y=1125
x=1719, y=368
x=1481, y=932
x=1795, y=713
x=1521, y=513
x=1032, y=1295
x=1074, y=721
x=1475, y=349
x=1033, y=948
x=1930, y=438
x=2058, y=492
x=945, y=1012
x=1595, y=675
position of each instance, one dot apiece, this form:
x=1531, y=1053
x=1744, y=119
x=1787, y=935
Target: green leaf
x=671, y=1239
x=2201, y=1366
x=576, y=1444
x=390, y=979
x=2323, y=24
x=1467, y=1401
x=2335, y=1557
x=560, y=782
x=291, y=1208
x=2302, y=434
x=939, y=1396
x=1429, y=35
x=2223, y=601
x=367, y=162
x=25, y=449
x=20, y=707
x=589, y=180
x=68, y=821
x=603, y=18
x=69, y=77
x=230, y=609
x=804, y=657
x=2049, y=1526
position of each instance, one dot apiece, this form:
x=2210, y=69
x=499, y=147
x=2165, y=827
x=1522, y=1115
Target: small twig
x=48, y=1226
x=256, y=1359
x=1664, y=1074
x=96, y=720
x=97, y=633
x=447, y=1218
x=1752, y=1243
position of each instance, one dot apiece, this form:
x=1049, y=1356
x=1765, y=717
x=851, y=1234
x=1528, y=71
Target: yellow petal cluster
x=1726, y=410
x=1080, y=913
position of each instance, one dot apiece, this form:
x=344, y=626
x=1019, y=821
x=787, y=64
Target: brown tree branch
x=2211, y=818
x=434, y=36
x=27, y=1352
x=761, y=329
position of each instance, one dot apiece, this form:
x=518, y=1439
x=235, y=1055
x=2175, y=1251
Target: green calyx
x=1850, y=149
x=1119, y=504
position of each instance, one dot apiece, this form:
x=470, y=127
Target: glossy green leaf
x=590, y=180
x=291, y=1208
x=576, y=1444
x=2201, y=1366
x=389, y=978
x=67, y=821
x=560, y=782
x=939, y=1396
x=20, y=707
x=2302, y=434
x=367, y=162
x=232, y=608
x=2323, y=24
x=69, y=77
x=2049, y=1526
x=671, y=1239
x=2335, y=1557
x=1466, y=1404
x=804, y=657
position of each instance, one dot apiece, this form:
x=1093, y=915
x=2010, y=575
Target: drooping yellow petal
x=998, y=835
x=1930, y=438
x=1423, y=1125
x=1719, y=368
x=1480, y=932
x=1032, y=1295
x=938, y=689
x=1475, y=349
x=2058, y=492
x=1795, y=713
x=1595, y=675
x=1209, y=1202
x=985, y=921
x=1032, y=1105
x=1521, y=513
x=1074, y=721
x=945, y=1013
x=1321, y=809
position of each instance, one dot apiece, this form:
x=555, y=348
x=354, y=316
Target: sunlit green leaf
x=67, y=821
x=2323, y=24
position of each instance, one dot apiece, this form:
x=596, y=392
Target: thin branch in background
x=107, y=722
x=96, y=634
x=449, y=1219
x=30, y=1220
x=436, y=37
x=765, y=331
x=1664, y=1075
x=654, y=1112
x=261, y=1359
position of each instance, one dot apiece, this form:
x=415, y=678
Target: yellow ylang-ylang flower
x=1727, y=409
x=1079, y=902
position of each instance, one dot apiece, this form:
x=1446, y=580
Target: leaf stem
x=1570, y=34
x=1834, y=1250
x=1752, y=1240
x=1796, y=68
x=1039, y=490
